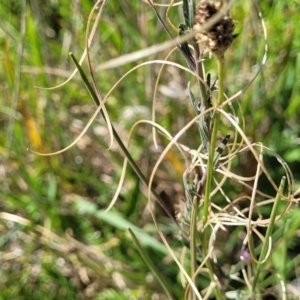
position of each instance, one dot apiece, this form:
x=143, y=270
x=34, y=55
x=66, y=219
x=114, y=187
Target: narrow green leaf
x=188, y=12
x=270, y=228
x=116, y=220
x=163, y=282
x=185, y=46
x=126, y=153
x=193, y=242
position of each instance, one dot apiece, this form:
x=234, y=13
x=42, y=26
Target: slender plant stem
x=201, y=74
x=206, y=236
x=210, y=166
x=193, y=239
x=213, y=139
x=270, y=228
x=118, y=139
x=163, y=282
x=189, y=60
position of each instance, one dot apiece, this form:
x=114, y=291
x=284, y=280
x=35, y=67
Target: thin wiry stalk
x=201, y=73
x=270, y=228
x=189, y=60
x=118, y=139
x=152, y=266
x=210, y=166
x=193, y=242
x=213, y=140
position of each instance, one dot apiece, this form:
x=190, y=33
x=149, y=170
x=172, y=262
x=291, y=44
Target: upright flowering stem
x=212, y=146
x=215, y=40
x=213, y=139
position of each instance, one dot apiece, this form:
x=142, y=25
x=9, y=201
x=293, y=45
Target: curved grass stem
x=131, y=161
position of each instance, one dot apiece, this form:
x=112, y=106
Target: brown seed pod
x=218, y=37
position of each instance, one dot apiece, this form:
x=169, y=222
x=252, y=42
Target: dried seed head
x=219, y=37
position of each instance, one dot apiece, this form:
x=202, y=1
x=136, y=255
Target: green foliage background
x=92, y=255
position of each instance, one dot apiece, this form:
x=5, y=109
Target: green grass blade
x=193, y=242
x=117, y=137
x=151, y=266
x=265, y=246
x=116, y=220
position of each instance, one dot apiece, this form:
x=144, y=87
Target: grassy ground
x=56, y=241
